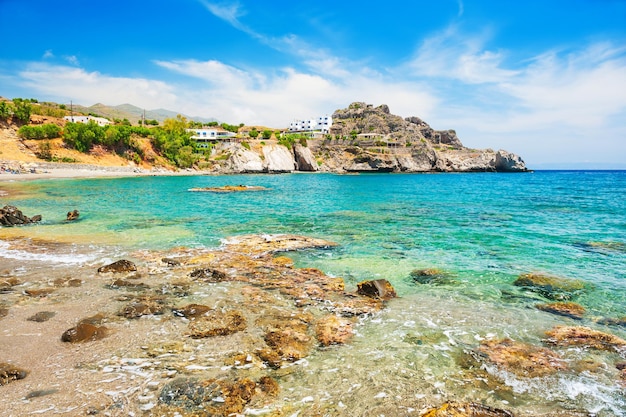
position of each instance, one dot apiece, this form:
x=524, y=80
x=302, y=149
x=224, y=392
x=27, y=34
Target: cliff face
x=364, y=138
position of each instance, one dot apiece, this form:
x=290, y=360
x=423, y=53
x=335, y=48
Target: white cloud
x=48, y=54
x=72, y=59
x=70, y=83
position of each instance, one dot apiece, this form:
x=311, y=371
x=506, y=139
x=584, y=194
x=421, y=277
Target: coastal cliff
x=364, y=138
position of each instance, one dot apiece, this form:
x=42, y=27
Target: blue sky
x=543, y=79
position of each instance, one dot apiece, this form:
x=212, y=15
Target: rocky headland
x=364, y=138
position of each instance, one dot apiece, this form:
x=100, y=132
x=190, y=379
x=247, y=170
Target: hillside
x=133, y=113
x=363, y=138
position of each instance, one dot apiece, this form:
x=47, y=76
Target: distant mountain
x=134, y=113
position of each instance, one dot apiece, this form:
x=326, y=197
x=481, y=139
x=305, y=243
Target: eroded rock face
x=277, y=158
x=522, y=359
x=11, y=216
x=305, y=160
x=554, y=288
x=245, y=161
x=122, y=265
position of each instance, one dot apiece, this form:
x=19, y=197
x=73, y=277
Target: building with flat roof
x=321, y=124
x=204, y=136
x=100, y=121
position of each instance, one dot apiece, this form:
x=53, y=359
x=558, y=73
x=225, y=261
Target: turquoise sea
x=482, y=230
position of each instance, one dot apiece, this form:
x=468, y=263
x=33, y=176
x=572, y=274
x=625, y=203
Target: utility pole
x=71, y=111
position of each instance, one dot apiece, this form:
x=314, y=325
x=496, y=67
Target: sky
x=543, y=79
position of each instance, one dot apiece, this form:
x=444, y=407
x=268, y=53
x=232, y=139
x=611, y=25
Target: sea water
x=483, y=230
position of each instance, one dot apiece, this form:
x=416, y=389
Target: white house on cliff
x=321, y=124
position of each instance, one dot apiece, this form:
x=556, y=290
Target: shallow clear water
x=482, y=229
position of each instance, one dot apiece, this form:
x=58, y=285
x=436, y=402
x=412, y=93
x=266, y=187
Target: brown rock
x=143, y=306
x=217, y=323
x=122, y=265
x=4, y=311
x=256, y=244
x=72, y=215
x=7, y=284
x=522, y=359
x=613, y=321
x=333, y=330
x=269, y=386
x=84, y=332
x=431, y=276
x=192, y=311
x=585, y=336
x=291, y=344
x=554, y=288
x=11, y=216
x=380, y=288
x=10, y=373
x=39, y=292
x=567, y=309
x=209, y=275
x=41, y=316
x=466, y=410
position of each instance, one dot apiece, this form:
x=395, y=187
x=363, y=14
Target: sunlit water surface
x=483, y=230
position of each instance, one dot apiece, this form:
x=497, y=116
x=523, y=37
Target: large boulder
x=509, y=162
x=278, y=159
x=554, y=288
x=244, y=160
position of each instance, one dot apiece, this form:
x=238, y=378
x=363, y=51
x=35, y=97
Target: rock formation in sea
x=364, y=138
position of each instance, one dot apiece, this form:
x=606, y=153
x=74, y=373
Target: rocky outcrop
x=305, y=161
x=11, y=216
x=245, y=161
x=277, y=158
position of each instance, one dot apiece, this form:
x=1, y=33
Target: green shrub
x=47, y=131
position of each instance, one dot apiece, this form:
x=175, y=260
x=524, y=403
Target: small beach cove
x=451, y=255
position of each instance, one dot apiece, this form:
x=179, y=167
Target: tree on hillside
x=267, y=134
x=5, y=110
x=175, y=143
x=253, y=133
x=22, y=111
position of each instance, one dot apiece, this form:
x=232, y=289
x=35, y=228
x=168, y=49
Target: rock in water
x=11, y=216
x=522, y=359
x=466, y=410
x=567, y=309
x=10, y=373
x=333, y=330
x=554, y=288
x=118, y=266
x=72, y=215
x=585, y=336
x=84, y=332
x=379, y=288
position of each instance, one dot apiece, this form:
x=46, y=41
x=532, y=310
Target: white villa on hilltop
x=206, y=135
x=322, y=124
x=100, y=121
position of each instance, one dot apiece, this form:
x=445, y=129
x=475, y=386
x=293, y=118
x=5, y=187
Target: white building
x=100, y=121
x=321, y=124
x=205, y=135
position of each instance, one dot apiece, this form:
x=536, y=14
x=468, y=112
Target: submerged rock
x=613, y=321
x=257, y=244
x=41, y=316
x=122, y=265
x=192, y=311
x=211, y=397
x=554, y=288
x=431, y=276
x=379, y=288
x=567, y=309
x=217, y=323
x=229, y=189
x=143, y=306
x=209, y=275
x=586, y=337
x=522, y=359
x=10, y=373
x=453, y=409
x=334, y=330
